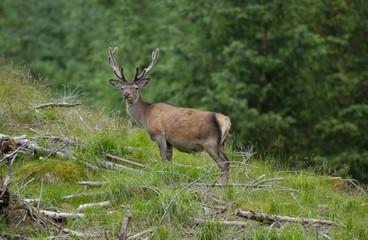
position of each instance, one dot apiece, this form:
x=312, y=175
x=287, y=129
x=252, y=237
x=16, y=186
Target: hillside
x=48, y=150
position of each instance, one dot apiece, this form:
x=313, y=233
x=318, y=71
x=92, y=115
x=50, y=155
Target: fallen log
x=198, y=221
x=60, y=215
x=88, y=205
x=269, y=218
x=61, y=104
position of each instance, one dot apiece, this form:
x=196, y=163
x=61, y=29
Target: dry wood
x=88, y=205
x=7, y=178
x=268, y=218
x=92, y=183
x=60, y=215
x=110, y=165
x=78, y=234
x=124, y=228
x=82, y=195
x=30, y=144
x=61, y=104
x=229, y=223
x=139, y=235
x=124, y=160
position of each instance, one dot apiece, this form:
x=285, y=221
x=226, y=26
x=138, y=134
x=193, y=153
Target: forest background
x=292, y=75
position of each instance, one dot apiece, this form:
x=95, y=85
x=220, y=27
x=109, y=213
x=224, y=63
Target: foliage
x=290, y=74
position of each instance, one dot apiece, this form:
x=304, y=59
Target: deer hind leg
x=169, y=151
x=218, y=154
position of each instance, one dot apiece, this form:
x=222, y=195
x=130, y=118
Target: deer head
x=130, y=89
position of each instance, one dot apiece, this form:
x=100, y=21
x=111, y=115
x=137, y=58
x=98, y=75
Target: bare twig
x=124, y=160
x=62, y=104
x=91, y=183
x=118, y=167
x=139, y=235
x=15, y=152
x=39, y=201
x=7, y=178
x=268, y=218
x=82, y=195
x=124, y=228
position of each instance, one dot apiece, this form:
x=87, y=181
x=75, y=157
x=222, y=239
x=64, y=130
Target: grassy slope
x=150, y=192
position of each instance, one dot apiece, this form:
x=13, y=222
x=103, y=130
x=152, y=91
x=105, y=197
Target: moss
x=52, y=171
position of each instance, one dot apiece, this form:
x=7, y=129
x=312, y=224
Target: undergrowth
x=303, y=193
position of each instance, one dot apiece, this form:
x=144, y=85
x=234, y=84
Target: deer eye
x=136, y=88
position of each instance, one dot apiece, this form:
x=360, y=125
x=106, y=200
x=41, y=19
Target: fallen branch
x=91, y=183
x=198, y=221
x=124, y=160
x=60, y=215
x=27, y=143
x=88, y=205
x=78, y=234
x=139, y=235
x=62, y=104
x=124, y=228
x=110, y=165
x=82, y=195
x=269, y=219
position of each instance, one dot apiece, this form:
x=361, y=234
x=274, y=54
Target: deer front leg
x=163, y=146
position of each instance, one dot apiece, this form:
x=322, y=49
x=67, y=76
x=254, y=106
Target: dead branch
x=82, y=195
x=124, y=228
x=78, y=234
x=198, y=221
x=88, y=205
x=269, y=219
x=62, y=104
x=110, y=165
x=124, y=160
x=139, y=235
x=60, y=215
x=30, y=144
x=91, y=183
x=7, y=178
x=5, y=235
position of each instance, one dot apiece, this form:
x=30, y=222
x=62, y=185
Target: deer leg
x=162, y=145
x=225, y=159
x=169, y=151
x=220, y=158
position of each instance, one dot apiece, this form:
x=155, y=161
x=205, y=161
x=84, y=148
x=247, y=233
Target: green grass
x=303, y=193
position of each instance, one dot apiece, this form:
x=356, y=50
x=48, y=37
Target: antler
x=118, y=72
x=147, y=69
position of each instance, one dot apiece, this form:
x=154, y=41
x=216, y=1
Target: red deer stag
x=188, y=130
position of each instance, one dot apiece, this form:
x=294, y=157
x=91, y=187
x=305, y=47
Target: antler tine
x=112, y=62
x=149, y=68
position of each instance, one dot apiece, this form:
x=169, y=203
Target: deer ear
x=143, y=82
x=116, y=83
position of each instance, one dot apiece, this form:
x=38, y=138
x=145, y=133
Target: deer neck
x=137, y=110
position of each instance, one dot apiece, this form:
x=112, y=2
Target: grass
x=303, y=193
